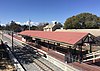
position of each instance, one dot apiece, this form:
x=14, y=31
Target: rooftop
x=66, y=37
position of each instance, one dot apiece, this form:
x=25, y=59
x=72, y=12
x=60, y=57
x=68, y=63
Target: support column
x=54, y=47
x=75, y=50
x=90, y=45
x=65, y=60
x=70, y=60
x=75, y=54
x=58, y=44
x=81, y=55
x=90, y=48
x=35, y=42
x=48, y=45
x=43, y=42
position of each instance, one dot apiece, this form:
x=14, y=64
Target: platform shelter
x=71, y=44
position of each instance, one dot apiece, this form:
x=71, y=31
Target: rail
x=39, y=63
x=17, y=63
x=43, y=66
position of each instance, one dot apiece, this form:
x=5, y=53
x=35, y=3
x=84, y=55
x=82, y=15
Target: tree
x=59, y=24
x=13, y=26
x=34, y=27
x=7, y=27
x=82, y=20
x=25, y=27
x=41, y=26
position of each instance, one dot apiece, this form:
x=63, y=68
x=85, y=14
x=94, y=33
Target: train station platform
x=87, y=66
x=77, y=65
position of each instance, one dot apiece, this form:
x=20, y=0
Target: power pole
x=12, y=42
x=29, y=24
x=1, y=32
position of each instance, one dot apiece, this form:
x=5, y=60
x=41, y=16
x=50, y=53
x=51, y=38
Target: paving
x=85, y=66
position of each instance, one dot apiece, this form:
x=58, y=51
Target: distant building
x=52, y=27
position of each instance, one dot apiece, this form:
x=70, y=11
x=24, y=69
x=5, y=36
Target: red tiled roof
x=67, y=37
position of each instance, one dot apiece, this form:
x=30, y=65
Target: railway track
x=43, y=66
x=33, y=55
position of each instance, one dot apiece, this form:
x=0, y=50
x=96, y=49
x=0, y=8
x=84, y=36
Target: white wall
x=95, y=32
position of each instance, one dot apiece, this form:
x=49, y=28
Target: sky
x=45, y=10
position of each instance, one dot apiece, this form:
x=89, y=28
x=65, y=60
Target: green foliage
x=24, y=27
x=13, y=27
x=83, y=20
x=41, y=26
x=34, y=27
x=58, y=25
